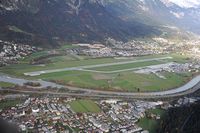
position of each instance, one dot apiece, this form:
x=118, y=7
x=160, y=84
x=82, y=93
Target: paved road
x=36, y=73
x=96, y=95
x=125, y=70
x=191, y=86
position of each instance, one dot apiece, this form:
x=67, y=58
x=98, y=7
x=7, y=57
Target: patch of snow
x=144, y=8
x=75, y=5
x=178, y=15
x=186, y=3
x=142, y=2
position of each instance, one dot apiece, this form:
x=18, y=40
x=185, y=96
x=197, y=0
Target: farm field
x=5, y=84
x=127, y=66
x=140, y=63
x=84, y=106
x=127, y=81
x=9, y=103
x=60, y=62
x=148, y=124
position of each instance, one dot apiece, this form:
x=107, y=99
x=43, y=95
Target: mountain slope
x=69, y=20
x=157, y=12
x=49, y=21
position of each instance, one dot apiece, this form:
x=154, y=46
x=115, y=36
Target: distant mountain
x=186, y=17
x=184, y=3
x=158, y=12
x=49, y=21
x=69, y=20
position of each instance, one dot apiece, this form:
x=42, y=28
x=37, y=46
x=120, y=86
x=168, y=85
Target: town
x=154, y=46
x=11, y=52
x=57, y=114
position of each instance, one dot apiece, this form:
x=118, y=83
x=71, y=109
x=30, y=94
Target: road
x=37, y=73
x=96, y=95
x=189, y=87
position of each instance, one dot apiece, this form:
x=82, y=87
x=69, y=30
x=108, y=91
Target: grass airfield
x=117, y=76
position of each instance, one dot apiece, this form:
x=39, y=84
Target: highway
x=190, y=87
x=96, y=95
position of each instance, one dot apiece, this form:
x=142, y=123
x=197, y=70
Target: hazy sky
x=186, y=3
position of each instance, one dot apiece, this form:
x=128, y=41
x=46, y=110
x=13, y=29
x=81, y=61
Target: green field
x=150, y=124
x=5, y=84
x=16, y=29
x=73, y=61
x=126, y=81
x=59, y=62
x=176, y=58
x=84, y=106
x=34, y=56
x=157, y=111
x=127, y=66
x=118, y=81
x=9, y=103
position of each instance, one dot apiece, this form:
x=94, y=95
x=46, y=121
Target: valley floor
x=116, y=74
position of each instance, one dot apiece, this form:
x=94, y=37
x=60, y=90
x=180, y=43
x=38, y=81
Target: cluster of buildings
x=107, y=51
x=55, y=115
x=170, y=67
x=186, y=101
x=12, y=52
x=113, y=48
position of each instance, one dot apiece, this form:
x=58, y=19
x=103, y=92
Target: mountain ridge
x=50, y=21
x=72, y=20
